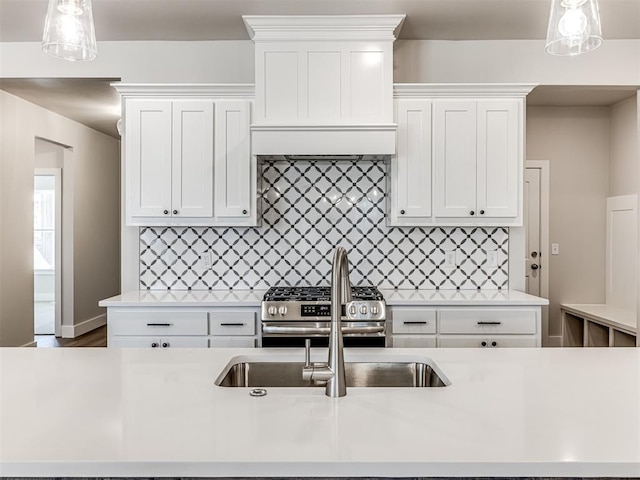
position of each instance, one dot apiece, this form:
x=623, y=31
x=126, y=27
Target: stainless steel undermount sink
x=358, y=374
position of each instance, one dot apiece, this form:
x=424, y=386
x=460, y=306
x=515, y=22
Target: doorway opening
x=47, y=216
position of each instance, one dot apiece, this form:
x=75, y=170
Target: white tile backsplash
x=308, y=208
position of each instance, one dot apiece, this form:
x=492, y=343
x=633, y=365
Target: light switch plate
x=555, y=249
x=492, y=258
x=450, y=259
x=205, y=260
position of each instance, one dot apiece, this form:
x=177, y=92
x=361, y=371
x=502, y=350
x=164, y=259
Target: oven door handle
x=291, y=330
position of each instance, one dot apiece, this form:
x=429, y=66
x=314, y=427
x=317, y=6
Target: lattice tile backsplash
x=308, y=208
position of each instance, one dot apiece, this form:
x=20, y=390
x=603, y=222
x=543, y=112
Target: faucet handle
x=307, y=353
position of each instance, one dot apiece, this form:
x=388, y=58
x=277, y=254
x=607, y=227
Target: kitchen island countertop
x=156, y=412
x=247, y=298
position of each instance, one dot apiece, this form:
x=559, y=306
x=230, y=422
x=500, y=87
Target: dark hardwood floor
x=94, y=338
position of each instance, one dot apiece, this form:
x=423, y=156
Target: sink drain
x=258, y=392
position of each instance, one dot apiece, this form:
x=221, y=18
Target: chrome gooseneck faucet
x=333, y=371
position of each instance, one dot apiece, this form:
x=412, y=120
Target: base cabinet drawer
x=493, y=321
x=236, y=342
x=467, y=341
x=232, y=323
x=413, y=341
x=159, y=342
x=413, y=320
x=157, y=323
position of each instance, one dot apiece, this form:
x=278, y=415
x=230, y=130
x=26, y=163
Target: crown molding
x=495, y=90
x=244, y=91
x=323, y=27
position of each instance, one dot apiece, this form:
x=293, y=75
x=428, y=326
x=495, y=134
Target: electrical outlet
x=555, y=249
x=492, y=258
x=205, y=260
x=450, y=259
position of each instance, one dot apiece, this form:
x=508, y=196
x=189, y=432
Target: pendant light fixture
x=68, y=30
x=574, y=27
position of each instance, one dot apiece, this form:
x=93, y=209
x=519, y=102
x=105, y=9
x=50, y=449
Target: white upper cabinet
x=324, y=84
x=187, y=156
x=148, y=157
x=192, y=159
x=410, y=194
x=477, y=155
x=454, y=151
x=232, y=160
x=499, y=158
x=478, y=163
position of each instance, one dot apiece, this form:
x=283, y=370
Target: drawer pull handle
x=159, y=324
x=489, y=323
x=415, y=323
x=232, y=324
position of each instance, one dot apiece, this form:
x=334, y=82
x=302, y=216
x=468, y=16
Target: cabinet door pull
x=489, y=323
x=415, y=323
x=232, y=324
x=159, y=324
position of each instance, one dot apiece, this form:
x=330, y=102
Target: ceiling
x=94, y=103
x=23, y=20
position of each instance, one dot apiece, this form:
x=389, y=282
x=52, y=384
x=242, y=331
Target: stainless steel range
x=291, y=314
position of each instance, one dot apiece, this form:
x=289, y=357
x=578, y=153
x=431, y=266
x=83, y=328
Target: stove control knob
x=374, y=310
x=282, y=310
x=272, y=310
x=363, y=309
x=353, y=310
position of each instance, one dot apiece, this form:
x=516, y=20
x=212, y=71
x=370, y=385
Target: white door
x=454, y=158
x=192, y=162
x=233, y=182
x=536, y=225
x=148, y=157
x=411, y=169
x=532, y=227
x=498, y=158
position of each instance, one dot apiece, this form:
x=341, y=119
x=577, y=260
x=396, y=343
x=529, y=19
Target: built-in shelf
x=597, y=325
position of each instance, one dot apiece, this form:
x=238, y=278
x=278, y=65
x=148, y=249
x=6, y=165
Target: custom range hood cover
x=324, y=84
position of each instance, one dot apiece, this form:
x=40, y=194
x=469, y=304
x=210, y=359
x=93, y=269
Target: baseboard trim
x=30, y=344
x=554, y=341
x=73, y=331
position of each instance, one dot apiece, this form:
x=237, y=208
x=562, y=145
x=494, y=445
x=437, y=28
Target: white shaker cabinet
x=410, y=193
x=464, y=326
x=460, y=155
x=232, y=160
x=169, y=158
x=192, y=327
x=187, y=155
x=477, y=158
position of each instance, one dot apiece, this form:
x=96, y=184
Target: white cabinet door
x=233, y=179
x=454, y=157
x=192, y=167
x=411, y=168
x=148, y=157
x=498, y=158
x=159, y=342
x=462, y=341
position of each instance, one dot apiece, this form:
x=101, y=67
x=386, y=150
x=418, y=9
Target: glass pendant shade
x=68, y=30
x=574, y=27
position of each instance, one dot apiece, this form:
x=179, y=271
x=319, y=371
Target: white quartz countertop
x=211, y=298
x=148, y=412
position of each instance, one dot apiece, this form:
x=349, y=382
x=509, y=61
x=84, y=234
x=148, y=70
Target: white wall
x=616, y=62
x=575, y=140
x=623, y=174
x=94, y=177
x=138, y=62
